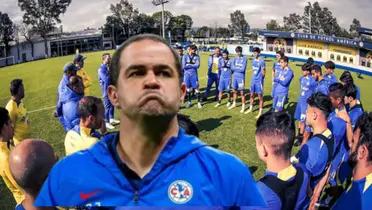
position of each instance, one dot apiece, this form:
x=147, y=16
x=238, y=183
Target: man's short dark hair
x=194, y=47
x=329, y=65
x=337, y=90
x=188, y=125
x=321, y=102
x=317, y=68
x=306, y=67
x=256, y=49
x=284, y=58
x=104, y=55
x=278, y=126
x=310, y=61
x=4, y=117
x=15, y=84
x=364, y=123
x=238, y=49
x=281, y=53
x=115, y=61
x=88, y=105
x=346, y=77
x=350, y=90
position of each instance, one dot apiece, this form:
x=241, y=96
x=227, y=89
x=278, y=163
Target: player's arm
x=319, y=189
x=286, y=80
x=196, y=65
x=349, y=128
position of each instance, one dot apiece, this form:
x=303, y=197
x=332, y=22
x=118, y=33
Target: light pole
x=157, y=3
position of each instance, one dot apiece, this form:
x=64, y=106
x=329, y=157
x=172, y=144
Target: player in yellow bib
x=87, y=80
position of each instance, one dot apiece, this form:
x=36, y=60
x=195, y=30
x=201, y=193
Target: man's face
x=311, y=115
x=225, y=56
x=148, y=83
x=329, y=71
x=283, y=64
x=180, y=51
x=192, y=51
x=81, y=64
x=238, y=53
x=335, y=101
x=7, y=131
x=305, y=73
x=277, y=56
x=347, y=100
x=217, y=51
x=255, y=54
x=70, y=73
x=107, y=59
x=315, y=75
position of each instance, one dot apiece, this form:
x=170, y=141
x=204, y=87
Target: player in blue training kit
x=284, y=185
x=358, y=196
x=329, y=76
x=213, y=72
x=224, y=67
x=151, y=161
x=347, y=79
x=322, y=86
x=190, y=66
x=238, y=67
x=257, y=81
x=283, y=83
x=276, y=71
x=355, y=110
x=307, y=88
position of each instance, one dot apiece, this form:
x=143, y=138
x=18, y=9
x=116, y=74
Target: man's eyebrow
x=155, y=67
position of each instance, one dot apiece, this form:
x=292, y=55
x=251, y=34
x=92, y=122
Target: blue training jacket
x=190, y=63
x=103, y=79
x=69, y=101
x=239, y=66
x=186, y=173
x=283, y=81
x=224, y=66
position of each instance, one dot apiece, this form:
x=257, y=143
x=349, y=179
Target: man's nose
x=151, y=81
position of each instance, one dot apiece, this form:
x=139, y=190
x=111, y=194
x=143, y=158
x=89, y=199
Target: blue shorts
x=279, y=102
x=224, y=84
x=257, y=87
x=300, y=113
x=191, y=81
x=238, y=83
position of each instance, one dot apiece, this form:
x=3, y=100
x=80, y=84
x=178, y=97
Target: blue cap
x=69, y=67
x=79, y=58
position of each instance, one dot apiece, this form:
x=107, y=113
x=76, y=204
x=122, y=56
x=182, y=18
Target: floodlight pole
x=157, y=3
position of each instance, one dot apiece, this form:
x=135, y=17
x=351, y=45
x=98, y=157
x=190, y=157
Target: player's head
x=79, y=61
x=275, y=133
x=188, y=125
x=346, y=78
x=279, y=54
x=316, y=71
x=306, y=69
x=106, y=58
x=179, y=50
x=225, y=54
x=144, y=83
x=30, y=163
x=239, y=50
x=76, y=84
x=336, y=94
x=70, y=70
x=17, y=89
x=217, y=51
x=310, y=61
x=330, y=67
x=6, y=126
x=361, y=151
x=350, y=91
x=91, y=112
x=283, y=62
x=319, y=108
x=256, y=52
x=192, y=49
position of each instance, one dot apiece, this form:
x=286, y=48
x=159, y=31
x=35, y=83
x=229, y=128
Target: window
x=332, y=57
x=271, y=49
x=289, y=50
x=300, y=51
x=313, y=53
x=364, y=63
x=320, y=54
x=276, y=49
x=351, y=60
x=307, y=52
x=344, y=59
x=338, y=58
x=368, y=64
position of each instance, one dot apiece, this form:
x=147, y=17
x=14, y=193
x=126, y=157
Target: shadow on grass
x=253, y=169
x=211, y=123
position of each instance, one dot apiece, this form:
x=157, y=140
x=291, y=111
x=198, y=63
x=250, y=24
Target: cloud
x=92, y=13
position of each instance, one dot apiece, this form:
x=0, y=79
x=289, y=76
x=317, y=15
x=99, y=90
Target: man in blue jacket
x=150, y=162
x=213, y=72
x=69, y=70
x=104, y=81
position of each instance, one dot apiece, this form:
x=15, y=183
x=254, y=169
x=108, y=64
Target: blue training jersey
x=186, y=173
x=357, y=197
x=322, y=87
x=277, y=68
x=307, y=86
x=190, y=63
x=239, y=66
x=103, y=78
x=224, y=67
x=355, y=112
x=330, y=78
x=283, y=81
x=258, y=67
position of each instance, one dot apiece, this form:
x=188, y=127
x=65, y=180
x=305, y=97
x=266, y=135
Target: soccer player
x=190, y=65
x=307, y=88
x=283, y=82
x=150, y=162
x=84, y=135
x=347, y=79
x=316, y=154
x=104, y=81
x=69, y=100
x=258, y=75
x=329, y=75
x=87, y=80
x=238, y=67
x=351, y=100
x=18, y=112
x=276, y=71
x=30, y=163
x=224, y=67
x=359, y=194
x=284, y=185
x=6, y=144
x=316, y=72
x=213, y=72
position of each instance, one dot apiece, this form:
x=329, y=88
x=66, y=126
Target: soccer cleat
x=242, y=110
x=199, y=105
x=109, y=126
x=188, y=104
x=248, y=111
x=258, y=116
x=217, y=105
x=114, y=122
x=232, y=106
x=228, y=104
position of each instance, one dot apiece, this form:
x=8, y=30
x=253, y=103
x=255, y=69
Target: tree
x=203, y=32
x=238, y=23
x=157, y=19
x=223, y=32
x=6, y=32
x=273, y=25
x=43, y=15
x=28, y=33
x=179, y=24
x=125, y=14
x=292, y=22
x=353, y=28
x=144, y=24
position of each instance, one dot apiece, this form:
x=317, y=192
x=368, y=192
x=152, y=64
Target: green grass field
x=231, y=130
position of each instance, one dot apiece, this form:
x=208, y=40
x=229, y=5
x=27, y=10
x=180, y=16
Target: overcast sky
x=92, y=13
